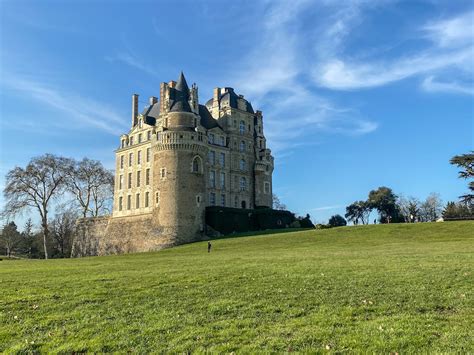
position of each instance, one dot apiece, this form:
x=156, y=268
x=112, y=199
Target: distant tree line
x=48, y=183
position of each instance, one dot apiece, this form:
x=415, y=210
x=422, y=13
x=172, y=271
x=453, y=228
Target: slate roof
x=151, y=113
x=180, y=96
x=207, y=121
x=230, y=98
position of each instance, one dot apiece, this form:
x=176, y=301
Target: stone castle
x=178, y=158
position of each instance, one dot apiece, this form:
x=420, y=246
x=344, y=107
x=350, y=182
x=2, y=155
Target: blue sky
x=355, y=94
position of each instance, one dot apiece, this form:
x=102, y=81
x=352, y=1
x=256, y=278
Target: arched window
x=196, y=165
x=244, y=204
x=243, y=165
x=242, y=146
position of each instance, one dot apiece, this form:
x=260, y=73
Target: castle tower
x=179, y=172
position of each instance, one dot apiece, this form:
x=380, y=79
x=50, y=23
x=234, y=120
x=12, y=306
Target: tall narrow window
x=148, y=135
x=266, y=187
x=129, y=180
x=121, y=161
x=236, y=201
x=163, y=173
x=222, y=159
x=147, y=177
x=131, y=140
x=243, y=165
x=222, y=180
x=147, y=197
x=242, y=146
x=129, y=202
x=148, y=155
x=196, y=168
x=140, y=138
x=139, y=174
x=139, y=157
x=212, y=178
x=130, y=159
x=123, y=143
x=212, y=199
x=212, y=157
x=242, y=127
x=223, y=200
x=120, y=182
x=120, y=203
x=157, y=198
x=137, y=202
x=222, y=140
x=243, y=184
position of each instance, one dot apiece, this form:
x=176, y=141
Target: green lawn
x=385, y=288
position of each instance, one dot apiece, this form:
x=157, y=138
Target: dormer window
x=211, y=138
x=131, y=140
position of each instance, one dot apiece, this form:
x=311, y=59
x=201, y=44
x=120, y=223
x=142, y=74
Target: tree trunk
x=45, y=237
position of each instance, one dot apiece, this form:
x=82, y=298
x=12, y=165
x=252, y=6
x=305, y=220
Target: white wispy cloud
x=131, y=59
x=326, y=208
x=451, y=47
x=79, y=110
x=430, y=84
x=275, y=76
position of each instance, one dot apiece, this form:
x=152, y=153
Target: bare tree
x=409, y=208
x=62, y=230
x=92, y=185
x=277, y=205
x=35, y=187
x=431, y=208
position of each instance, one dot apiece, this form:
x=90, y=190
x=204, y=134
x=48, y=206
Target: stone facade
x=179, y=157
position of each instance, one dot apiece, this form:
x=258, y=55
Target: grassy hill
x=385, y=288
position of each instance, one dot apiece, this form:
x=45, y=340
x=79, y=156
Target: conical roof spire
x=181, y=97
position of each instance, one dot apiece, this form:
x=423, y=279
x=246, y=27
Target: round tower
x=179, y=180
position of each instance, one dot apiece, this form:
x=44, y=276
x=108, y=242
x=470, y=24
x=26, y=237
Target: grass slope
x=369, y=288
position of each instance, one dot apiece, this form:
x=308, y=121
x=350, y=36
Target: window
x=222, y=180
x=222, y=159
x=222, y=141
x=129, y=202
x=212, y=199
x=129, y=180
x=242, y=146
x=140, y=138
x=223, y=200
x=163, y=173
x=120, y=182
x=243, y=184
x=148, y=135
x=244, y=204
x=266, y=187
x=198, y=199
x=130, y=159
x=242, y=127
x=131, y=140
x=139, y=173
x=196, y=166
x=212, y=157
x=120, y=203
x=157, y=198
x=121, y=161
x=259, y=129
x=148, y=155
x=212, y=178
x=236, y=201
x=147, y=177
x=200, y=136
x=140, y=124
x=123, y=143
x=147, y=197
x=139, y=157
x=137, y=201
x=235, y=123
x=243, y=165
x=211, y=138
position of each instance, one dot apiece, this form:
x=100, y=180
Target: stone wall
x=105, y=235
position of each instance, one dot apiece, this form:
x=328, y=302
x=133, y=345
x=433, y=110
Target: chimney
x=134, y=109
x=152, y=100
